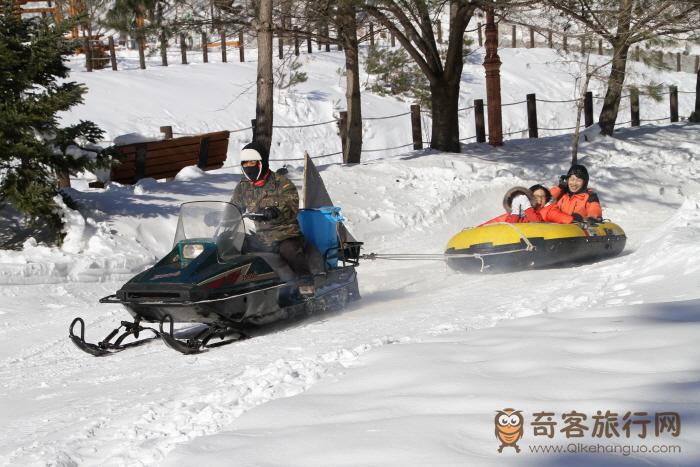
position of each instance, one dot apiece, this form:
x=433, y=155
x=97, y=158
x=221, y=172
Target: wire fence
x=425, y=140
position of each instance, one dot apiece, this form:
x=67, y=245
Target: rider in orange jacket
x=548, y=211
x=574, y=197
x=541, y=210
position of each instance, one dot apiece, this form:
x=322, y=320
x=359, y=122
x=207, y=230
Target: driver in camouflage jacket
x=274, y=200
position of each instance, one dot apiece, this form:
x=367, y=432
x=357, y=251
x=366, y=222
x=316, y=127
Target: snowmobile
x=214, y=279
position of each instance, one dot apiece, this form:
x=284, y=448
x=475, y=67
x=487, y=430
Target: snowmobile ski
x=105, y=347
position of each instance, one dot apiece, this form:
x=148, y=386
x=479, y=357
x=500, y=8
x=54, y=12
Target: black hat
x=581, y=172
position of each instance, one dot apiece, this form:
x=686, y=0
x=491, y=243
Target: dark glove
x=577, y=217
x=562, y=182
x=269, y=213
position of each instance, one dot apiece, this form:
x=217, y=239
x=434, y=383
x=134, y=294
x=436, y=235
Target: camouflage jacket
x=279, y=192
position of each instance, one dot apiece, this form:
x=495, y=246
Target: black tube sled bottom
x=546, y=253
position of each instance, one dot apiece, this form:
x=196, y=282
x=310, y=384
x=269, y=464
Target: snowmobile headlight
x=192, y=250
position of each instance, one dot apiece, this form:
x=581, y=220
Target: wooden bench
x=164, y=159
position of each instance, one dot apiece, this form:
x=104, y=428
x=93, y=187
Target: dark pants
x=291, y=250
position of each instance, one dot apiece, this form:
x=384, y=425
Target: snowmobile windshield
x=212, y=221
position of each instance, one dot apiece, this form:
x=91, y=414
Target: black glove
x=577, y=217
x=269, y=213
x=562, y=182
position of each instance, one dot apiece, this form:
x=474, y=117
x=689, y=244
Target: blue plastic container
x=320, y=228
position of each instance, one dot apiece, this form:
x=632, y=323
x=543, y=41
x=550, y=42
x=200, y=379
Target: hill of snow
x=413, y=373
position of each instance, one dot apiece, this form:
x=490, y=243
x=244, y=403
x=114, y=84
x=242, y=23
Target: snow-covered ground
x=412, y=374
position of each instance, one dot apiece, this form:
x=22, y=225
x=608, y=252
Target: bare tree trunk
x=616, y=80
x=419, y=42
x=348, y=34
x=579, y=110
x=263, y=108
x=444, y=84
x=444, y=98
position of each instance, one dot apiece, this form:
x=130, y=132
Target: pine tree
x=33, y=148
x=395, y=73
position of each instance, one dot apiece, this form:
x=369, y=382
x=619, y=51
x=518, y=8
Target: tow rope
x=443, y=256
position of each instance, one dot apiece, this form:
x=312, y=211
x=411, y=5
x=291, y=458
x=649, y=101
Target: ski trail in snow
x=168, y=398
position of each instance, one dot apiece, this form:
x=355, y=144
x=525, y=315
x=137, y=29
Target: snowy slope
x=410, y=375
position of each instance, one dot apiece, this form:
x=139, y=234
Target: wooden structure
x=47, y=7
x=165, y=158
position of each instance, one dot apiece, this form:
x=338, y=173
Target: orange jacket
x=552, y=213
x=530, y=215
x=586, y=203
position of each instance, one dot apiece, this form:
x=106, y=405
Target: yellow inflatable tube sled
x=509, y=247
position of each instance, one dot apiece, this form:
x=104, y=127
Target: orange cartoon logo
x=509, y=428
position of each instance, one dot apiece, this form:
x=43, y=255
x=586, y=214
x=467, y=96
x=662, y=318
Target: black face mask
x=252, y=172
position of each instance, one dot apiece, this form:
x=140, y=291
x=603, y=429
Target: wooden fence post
x=88, y=54
x=254, y=127
x=634, y=106
x=183, y=49
x=112, y=53
x=416, y=129
x=438, y=25
x=600, y=46
x=532, y=38
x=142, y=53
x=513, y=39
x=280, y=45
x=371, y=34
x=697, y=63
x=241, y=47
x=309, y=47
x=327, y=32
x=167, y=132
x=205, y=48
x=565, y=43
x=532, y=115
x=163, y=49
x=223, y=45
x=588, y=109
x=478, y=32
x=636, y=54
x=550, y=42
x=678, y=61
x=695, y=117
x=343, y=127
x=479, y=121
x=674, y=103
x=296, y=41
